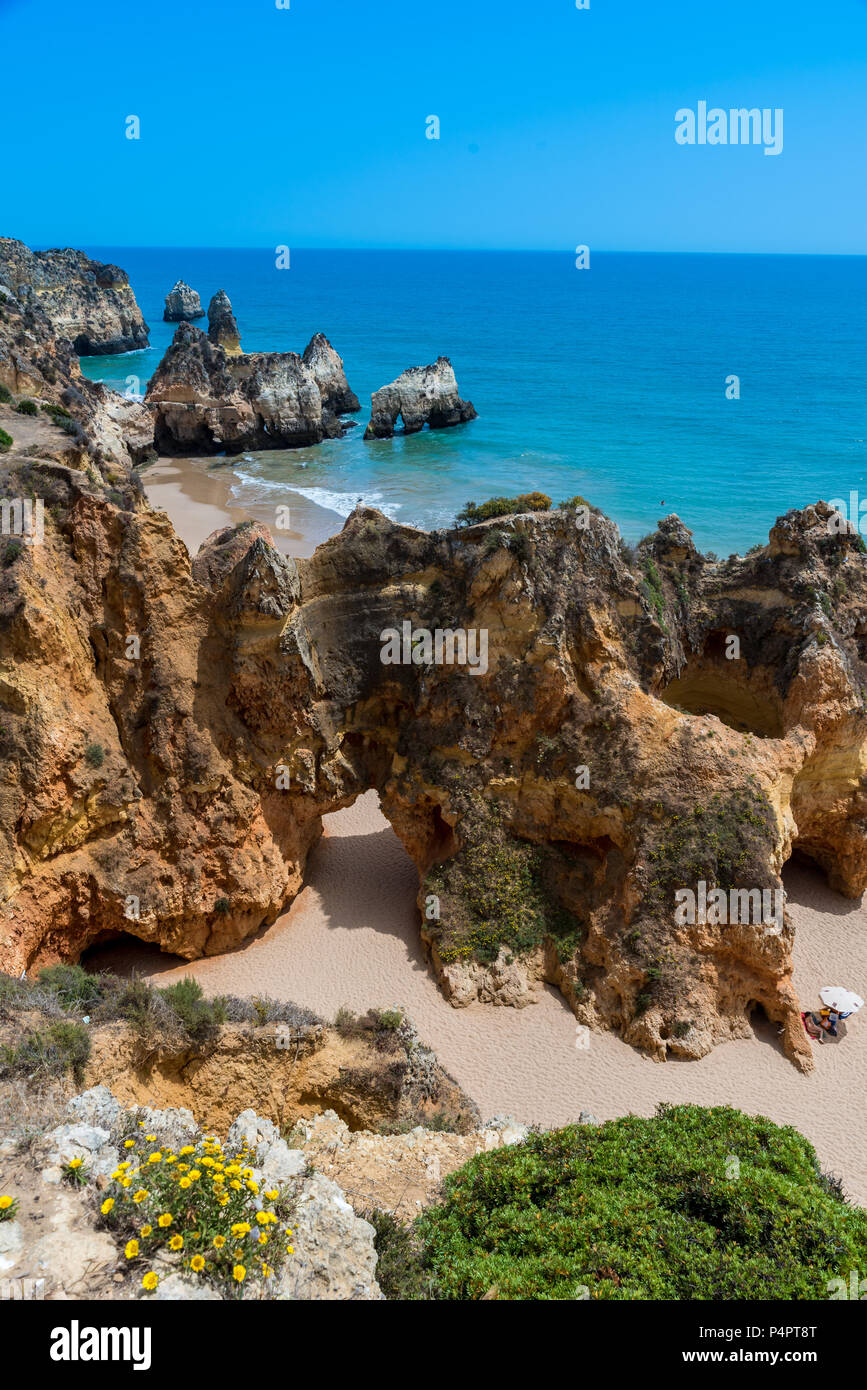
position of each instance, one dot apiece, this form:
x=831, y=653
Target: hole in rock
x=743, y=698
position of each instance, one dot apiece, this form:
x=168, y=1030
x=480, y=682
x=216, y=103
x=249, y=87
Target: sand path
x=351, y=938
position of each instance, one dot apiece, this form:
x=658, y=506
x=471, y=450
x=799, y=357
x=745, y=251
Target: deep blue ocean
x=609, y=382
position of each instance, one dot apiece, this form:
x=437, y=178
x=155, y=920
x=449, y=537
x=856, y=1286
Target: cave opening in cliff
x=713, y=682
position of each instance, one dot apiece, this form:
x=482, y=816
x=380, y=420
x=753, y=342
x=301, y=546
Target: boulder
x=182, y=304
x=96, y=1107
x=327, y=367
x=334, y=1256
x=420, y=396
x=222, y=324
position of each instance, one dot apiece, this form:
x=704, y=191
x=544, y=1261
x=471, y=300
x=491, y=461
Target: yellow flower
x=263, y=1237
x=239, y=1274
x=141, y=1124
x=197, y=1263
x=146, y=1231
x=129, y=1143
x=5, y=1203
x=155, y=1157
x=75, y=1163
x=185, y=1182
x=235, y=1184
x=187, y=1149
x=126, y=1182
x=272, y=1194
x=150, y=1280
x=290, y=1249
x=207, y=1162
x=165, y=1219
x=267, y=1271
x=106, y=1206
x=219, y=1180
x=176, y=1243
x=140, y=1195
x=252, y=1186
x=232, y=1168
x=172, y=1158
x=219, y=1242
x=151, y=1138
x=194, y=1174
x=240, y=1228
x=131, y=1249
x=247, y=1173
x=223, y=1201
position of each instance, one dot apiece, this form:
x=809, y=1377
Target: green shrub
x=57, y=413
x=645, y=1209
x=95, y=754
x=60, y=1048
x=27, y=407
x=11, y=551
x=75, y=989
x=503, y=506
x=5, y=395
x=198, y=1016
x=223, y=906
x=6, y=442
x=401, y=1271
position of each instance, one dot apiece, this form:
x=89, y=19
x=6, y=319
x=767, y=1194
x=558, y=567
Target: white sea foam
x=251, y=489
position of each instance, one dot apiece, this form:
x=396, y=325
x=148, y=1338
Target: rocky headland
x=419, y=396
x=182, y=304
x=89, y=303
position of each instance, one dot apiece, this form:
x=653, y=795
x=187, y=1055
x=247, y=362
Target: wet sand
x=351, y=938
x=197, y=494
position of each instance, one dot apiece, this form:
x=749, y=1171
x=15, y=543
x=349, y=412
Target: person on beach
x=825, y=1021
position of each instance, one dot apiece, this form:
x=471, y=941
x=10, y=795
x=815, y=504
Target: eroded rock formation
x=420, y=396
x=323, y=361
x=613, y=748
x=182, y=304
x=205, y=400
x=222, y=324
x=85, y=301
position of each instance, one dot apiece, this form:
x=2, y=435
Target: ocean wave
x=343, y=503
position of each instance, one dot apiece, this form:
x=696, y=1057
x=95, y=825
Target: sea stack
x=420, y=396
x=323, y=361
x=183, y=304
x=222, y=324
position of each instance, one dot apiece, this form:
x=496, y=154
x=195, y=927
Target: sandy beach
x=197, y=494
x=351, y=938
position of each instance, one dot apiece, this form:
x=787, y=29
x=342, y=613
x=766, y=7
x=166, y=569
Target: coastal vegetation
x=694, y=1203
x=474, y=512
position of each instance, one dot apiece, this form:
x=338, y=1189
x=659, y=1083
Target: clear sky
x=306, y=126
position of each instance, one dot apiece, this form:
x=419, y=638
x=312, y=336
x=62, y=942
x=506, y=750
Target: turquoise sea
x=609, y=382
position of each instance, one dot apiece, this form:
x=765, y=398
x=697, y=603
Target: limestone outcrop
x=419, y=396
x=182, y=304
x=327, y=367
x=89, y=303
x=222, y=324
x=614, y=749
x=206, y=400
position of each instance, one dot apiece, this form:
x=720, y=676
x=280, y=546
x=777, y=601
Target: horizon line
x=441, y=250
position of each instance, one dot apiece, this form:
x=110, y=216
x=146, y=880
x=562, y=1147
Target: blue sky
x=306, y=126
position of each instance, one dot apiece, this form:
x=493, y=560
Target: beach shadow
x=807, y=886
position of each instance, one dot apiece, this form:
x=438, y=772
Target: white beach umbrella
x=840, y=999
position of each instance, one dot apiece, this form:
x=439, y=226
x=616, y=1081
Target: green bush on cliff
x=474, y=512
x=692, y=1204
x=6, y=442
x=27, y=407
x=494, y=893
x=53, y=1051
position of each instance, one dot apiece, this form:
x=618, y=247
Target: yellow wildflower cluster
x=200, y=1205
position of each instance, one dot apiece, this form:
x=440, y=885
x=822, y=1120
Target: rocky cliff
x=420, y=396
x=85, y=301
x=182, y=304
x=173, y=734
x=206, y=400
